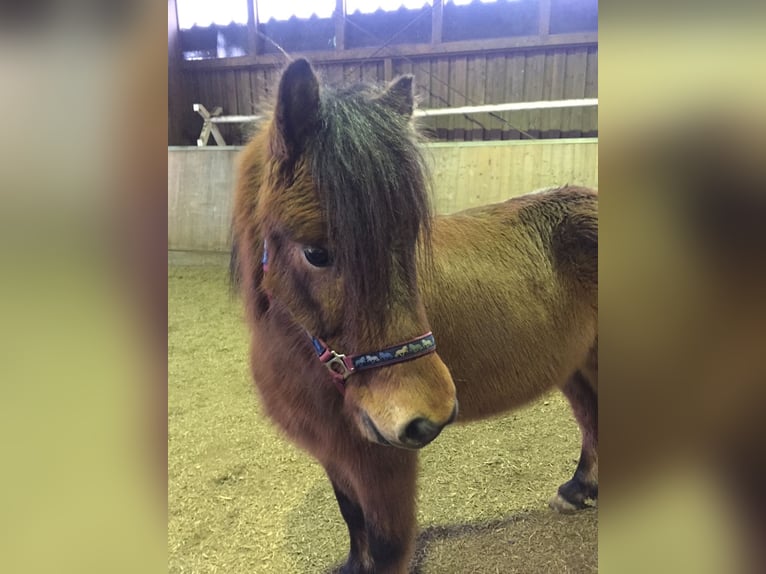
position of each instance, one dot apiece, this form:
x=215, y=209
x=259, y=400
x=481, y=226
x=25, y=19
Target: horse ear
x=398, y=96
x=297, y=110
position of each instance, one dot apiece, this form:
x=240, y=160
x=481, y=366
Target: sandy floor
x=242, y=499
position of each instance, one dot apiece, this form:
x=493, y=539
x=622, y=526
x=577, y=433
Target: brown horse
x=336, y=252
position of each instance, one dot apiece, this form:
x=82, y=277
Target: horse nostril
x=421, y=431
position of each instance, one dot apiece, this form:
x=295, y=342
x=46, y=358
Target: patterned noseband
x=341, y=367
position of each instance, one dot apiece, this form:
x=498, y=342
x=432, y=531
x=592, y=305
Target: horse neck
x=290, y=365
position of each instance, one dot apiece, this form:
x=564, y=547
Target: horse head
x=344, y=212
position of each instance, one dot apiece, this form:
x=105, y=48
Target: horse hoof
x=562, y=505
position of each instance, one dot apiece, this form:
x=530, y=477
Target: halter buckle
x=337, y=366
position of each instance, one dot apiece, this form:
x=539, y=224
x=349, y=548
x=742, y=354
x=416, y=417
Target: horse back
x=512, y=296
x=566, y=219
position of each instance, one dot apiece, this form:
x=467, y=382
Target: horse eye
x=316, y=256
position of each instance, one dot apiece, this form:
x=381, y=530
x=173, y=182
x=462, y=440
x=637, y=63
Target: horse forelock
x=372, y=183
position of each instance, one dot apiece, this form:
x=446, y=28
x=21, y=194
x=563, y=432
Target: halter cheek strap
x=265, y=258
x=341, y=367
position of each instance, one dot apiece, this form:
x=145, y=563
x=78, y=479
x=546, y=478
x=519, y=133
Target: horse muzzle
x=416, y=434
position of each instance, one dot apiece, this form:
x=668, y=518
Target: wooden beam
x=234, y=119
x=544, y=25
x=388, y=70
x=215, y=116
x=175, y=52
x=252, y=27
x=340, y=25
x=437, y=17
x=175, y=76
x=509, y=107
x=406, y=50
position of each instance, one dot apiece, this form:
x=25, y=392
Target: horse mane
x=374, y=189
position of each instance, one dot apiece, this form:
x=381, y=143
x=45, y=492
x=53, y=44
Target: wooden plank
x=422, y=71
x=476, y=81
x=494, y=92
x=396, y=66
x=231, y=101
x=388, y=70
x=553, y=89
x=352, y=73
x=244, y=94
x=408, y=50
x=440, y=94
x=214, y=89
x=369, y=73
x=544, y=122
x=514, y=92
x=271, y=77
x=405, y=66
x=190, y=122
x=194, y=85
x=534, y=72
x=590, y=115
x=259, y=82
x=204, y=90
x=256, y=80
x=576, y=67
x=333, y=74
x=591, y=74
x=494, y=87
x=440, y=82
x=458, y=68
x=219, y=95
x=229, y=89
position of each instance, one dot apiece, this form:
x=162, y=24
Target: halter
x=341, y=366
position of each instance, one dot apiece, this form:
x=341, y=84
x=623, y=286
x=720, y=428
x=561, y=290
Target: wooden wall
x=442, y=80
x=469, y=174
x=201, y=180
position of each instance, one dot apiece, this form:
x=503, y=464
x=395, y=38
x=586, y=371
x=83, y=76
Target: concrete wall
x=200, y=198
x=466, y=174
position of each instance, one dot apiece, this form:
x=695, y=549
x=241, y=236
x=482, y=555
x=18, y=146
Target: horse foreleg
x=572, y=495
x=387, y=495
x=359, y=560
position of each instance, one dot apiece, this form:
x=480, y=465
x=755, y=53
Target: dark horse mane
x=373, y=187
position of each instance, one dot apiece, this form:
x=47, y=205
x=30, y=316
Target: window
x=574, y=16
x=221, y=29
x=296, y=26
x=370, y=6
x=474, y=19
x=205, y=14
x=215, y=29
x=286, y=9
x=375, y=22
